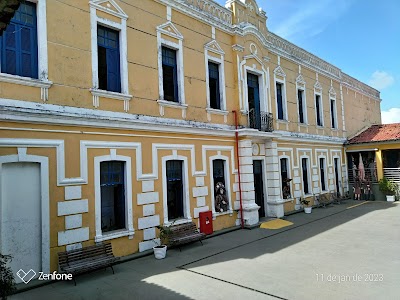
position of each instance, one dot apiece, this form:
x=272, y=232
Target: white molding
x=185, y=187
x=301, y=85
x=118, y=12
x=284, y=98
x=227, y=176
x=121, y=28
x=129, y=230
x=171, y=104
x=45, y=199
x=23, y=111
x=170, y=30
x=214, y=47
x=111, y=95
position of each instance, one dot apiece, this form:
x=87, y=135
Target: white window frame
x=309, y=177
x=289, y=165
x=186, y=199
x=334, y=113
x=301, y=85
x=178, y=47
x=213, y=47
x=129, y=230
x=261, y=85
x=325, y=167
x=280, y=77
x=42, y=82
x=227, y=184
x=321, y=108
x=121, y=27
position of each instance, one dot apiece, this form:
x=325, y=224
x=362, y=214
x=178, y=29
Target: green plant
x=387, y=186
x=7, y=282
x=304, y=202
x=163, y=234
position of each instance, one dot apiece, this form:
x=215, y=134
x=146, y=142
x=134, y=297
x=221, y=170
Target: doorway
x=259, y=186
x=174, y=189
x=336, y=163
x=21, y=216
x=253, y=95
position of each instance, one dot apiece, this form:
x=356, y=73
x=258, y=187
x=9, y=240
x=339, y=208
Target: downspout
x=238, y=167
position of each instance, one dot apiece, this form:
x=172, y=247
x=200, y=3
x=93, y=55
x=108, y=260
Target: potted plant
x=389, y=188
x=160, y=250
x=305, y=203
x=7, y=282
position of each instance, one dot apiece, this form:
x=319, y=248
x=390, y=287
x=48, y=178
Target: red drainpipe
x=238, y=167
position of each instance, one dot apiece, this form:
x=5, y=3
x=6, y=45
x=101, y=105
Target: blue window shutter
x=9, y=51
x=113, y=73
x=19, y=54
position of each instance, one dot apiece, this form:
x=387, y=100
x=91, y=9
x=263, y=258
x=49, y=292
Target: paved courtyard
x=346, y=251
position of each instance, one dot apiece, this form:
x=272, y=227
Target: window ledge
x=25, y=81
x=320, y=127
x=303, y=124
x=282, y=121
x=217, y=214
x=112, y=95
x=172, y=104
x=217, y=111
x=177, y=222
x=114, y=235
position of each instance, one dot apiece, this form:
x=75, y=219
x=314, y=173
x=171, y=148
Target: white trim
x=265, y=182
x=214, y=47
x=332, y=96
x=111, y=95
x=325, y=167
x=42, y=82
x=45, y=199
x=318, y=92
x=128, y=231
x=178, y=47
x=301, y=85
x=227, y=175
x=185, y=188
x=284, y=102
x=23, y=111
x=289, y=171
x=121, y=28
x=309, y=171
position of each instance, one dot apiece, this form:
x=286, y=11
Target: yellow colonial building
x=118, y=116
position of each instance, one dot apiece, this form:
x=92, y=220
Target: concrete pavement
x=347, y=251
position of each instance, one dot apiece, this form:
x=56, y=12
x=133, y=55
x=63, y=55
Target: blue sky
x=361, y=37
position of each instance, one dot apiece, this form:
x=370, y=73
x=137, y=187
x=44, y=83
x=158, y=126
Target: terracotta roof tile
x=378, y=133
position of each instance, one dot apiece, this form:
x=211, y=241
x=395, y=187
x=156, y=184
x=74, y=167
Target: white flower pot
x=307, y=210
x=389, y=198
x=160, y=251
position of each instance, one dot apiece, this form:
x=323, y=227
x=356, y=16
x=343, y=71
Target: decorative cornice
x=291, y=51
x=238, y=48
x=206, y=10
x=359, y=86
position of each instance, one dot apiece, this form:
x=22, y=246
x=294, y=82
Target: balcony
x=262, y=121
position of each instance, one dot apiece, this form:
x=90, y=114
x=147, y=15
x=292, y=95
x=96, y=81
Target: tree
x=7, y=282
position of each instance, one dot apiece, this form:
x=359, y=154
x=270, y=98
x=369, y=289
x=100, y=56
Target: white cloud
x=311, y=17
x=391, y=116
x=381, y=80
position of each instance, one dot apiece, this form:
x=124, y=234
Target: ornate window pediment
x=170, y=30
x=109, y=6
x=279, y=71
x=213, y=46
x=300, y=80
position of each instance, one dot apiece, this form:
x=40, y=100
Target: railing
x=392, y=174
x=263, y=121
x=370, y=175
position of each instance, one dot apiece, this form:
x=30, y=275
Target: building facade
x=119, y=116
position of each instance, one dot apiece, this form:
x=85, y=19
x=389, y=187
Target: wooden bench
x=86, y=259
x=323, y=199
x=184, y=233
